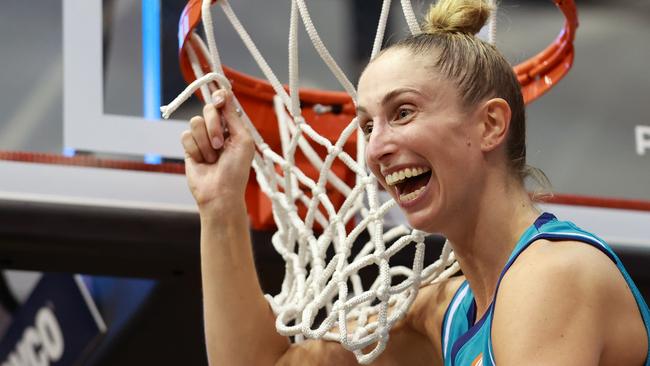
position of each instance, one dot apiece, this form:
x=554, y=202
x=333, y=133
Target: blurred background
x=134, y=235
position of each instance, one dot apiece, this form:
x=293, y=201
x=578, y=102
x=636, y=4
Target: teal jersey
x=467, y=342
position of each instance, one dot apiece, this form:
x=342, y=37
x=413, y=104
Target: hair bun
x=457, y=16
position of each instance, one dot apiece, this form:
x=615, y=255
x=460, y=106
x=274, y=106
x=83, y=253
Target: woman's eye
x=403, y=113
x=367, y=128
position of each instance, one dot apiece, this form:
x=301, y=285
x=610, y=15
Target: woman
x=534, y=290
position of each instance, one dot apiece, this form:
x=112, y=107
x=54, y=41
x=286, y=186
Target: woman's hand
x=219, y=150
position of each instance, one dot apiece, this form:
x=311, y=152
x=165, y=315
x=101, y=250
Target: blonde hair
x=457, y=16
x=477, y=68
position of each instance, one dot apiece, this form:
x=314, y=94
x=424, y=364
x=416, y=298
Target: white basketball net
x=310, y=284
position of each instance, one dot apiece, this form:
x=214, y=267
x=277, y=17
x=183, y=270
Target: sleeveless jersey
x=466, y=342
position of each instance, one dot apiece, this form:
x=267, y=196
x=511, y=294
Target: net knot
x=317, y=191
x=374, y=216
x=334, y=220
x=305, y=235
x=299, y=120
x=418, y=236
x=382, y=293
x=334, y=150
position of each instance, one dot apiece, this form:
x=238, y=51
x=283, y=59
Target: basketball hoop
x=304, y=164
x=536, y=75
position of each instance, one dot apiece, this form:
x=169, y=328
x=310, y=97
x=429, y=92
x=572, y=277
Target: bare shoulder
x=566, y=302
x=564, y=266
x=548, y=265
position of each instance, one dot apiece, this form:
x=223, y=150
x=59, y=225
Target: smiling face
x=423, y=145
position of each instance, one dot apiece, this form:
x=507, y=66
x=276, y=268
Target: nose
x=381, y=144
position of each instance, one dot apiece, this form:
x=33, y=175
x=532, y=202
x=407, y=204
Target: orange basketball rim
x=536, y=75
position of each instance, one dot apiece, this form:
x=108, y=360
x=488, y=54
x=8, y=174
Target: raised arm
x=239, y=325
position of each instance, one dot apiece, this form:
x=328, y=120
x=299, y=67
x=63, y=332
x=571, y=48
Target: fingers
x=201, y=139
x=213, y=87
x=207, y=134
x=232, y=117
x=191, y=148
x=213, y=125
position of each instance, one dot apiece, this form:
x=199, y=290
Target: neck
x=485, y=238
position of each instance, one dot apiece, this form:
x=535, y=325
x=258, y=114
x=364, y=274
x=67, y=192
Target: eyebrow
x=390, y=96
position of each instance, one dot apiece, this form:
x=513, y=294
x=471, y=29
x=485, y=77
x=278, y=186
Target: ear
x=495, y=117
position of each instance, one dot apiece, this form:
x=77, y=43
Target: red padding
x=90, y=161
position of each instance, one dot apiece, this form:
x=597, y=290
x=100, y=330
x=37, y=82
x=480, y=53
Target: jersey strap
x=451, y=327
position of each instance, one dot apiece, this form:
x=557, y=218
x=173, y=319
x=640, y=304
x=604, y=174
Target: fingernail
x=217, y=143
x=217, y=99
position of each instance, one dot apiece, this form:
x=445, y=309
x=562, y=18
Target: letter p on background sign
x=642, y=134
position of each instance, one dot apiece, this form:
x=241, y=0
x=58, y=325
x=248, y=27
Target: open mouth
x=409, y=183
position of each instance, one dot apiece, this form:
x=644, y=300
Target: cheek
x=447, y=150
x=374, y=168
x=426, y=142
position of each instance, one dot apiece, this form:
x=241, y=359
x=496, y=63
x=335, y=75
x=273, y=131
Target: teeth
x=399, y=176
x=411, y=196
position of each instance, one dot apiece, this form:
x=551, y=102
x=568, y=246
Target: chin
x=423, y=221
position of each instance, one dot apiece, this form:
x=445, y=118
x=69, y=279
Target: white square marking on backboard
x=85, y=126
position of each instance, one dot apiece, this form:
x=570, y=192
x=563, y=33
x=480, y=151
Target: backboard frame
x=86, y=126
